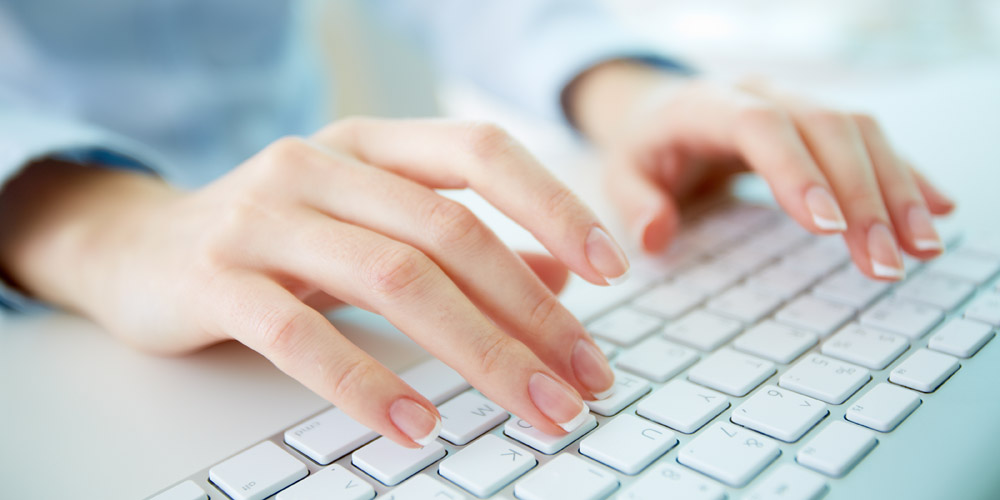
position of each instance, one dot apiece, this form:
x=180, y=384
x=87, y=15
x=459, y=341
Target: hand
x=351, y=215
x=833, y=172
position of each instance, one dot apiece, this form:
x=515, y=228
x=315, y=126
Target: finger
x=447, y=154
x=937, y=202
x=648, y=210
x=402, y=284
x=552, y=272
x=910, y=216
x=303, y=344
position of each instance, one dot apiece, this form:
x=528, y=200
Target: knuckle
x=560, y=202
x=485, y=140
x=545, y=312
x=344, y=129
x=396, y=268
x=451, y=223
x=277, y=330
x=827, y=120
x=349, y=378
x=288, y=148
x=760, y=115
x=865, y=121
x=492, y=353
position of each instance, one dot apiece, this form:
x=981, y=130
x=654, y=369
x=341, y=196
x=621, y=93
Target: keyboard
x=752, y=361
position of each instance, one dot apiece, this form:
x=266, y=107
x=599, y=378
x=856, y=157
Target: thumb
x=650, y=212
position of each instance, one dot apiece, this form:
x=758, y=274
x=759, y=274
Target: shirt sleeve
x=27, y=136
x=524, y=51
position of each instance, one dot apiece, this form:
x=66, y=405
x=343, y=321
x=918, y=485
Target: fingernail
x=557, y=401
x=887, y=262
x=592, y=369
x=606, y=256
x=825, y=212
x=925, y=237
x=417, y=422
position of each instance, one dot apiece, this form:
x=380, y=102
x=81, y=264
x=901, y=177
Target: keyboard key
x=707, y=278
x=423, y=487
x=332, y=481
x=820, y=256
x=900, y=316
x=790, y=482
x=883, y=407
x=669, y=300
x=657, y=359
x=837, y=448
x=744, y=303
x=628, y=443
x=779, y=413
x=731, y=372
x=703, y=330
x=824, y=378
x=682, y=405
x=985, y=308
x=775, y=341
x=391, y=463
x=328, y=436
x=468, y=416
x=942, y=292
x=965, y=265
x=525, y=433
x=435, y=380
x=628, y=388
x=487, y=465
x=924, y=370
x=782, y=279
x=817, y=315
x=668, y=480
x=865, y=346
x=624, y=326
x=257, y=473
x=850, y=287
x=184, y=491
x=566, y=476
x=729, y=453
x=961, y=337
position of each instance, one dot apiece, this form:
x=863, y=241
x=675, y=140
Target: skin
x=350, y=215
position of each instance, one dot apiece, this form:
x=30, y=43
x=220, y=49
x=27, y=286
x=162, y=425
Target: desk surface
x=84, y=416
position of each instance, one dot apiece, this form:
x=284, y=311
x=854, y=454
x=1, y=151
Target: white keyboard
x=753, y=361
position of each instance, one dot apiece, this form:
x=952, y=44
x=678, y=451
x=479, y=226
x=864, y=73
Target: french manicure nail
x=557, y=401
x=883, y=251
x=606, y=257
x=417, y=422
x=925, y=237
x=592, y=369
x=825, y=212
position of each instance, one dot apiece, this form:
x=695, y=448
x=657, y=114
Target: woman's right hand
x=349, y=214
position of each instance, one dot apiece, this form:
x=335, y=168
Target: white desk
x=83, y=416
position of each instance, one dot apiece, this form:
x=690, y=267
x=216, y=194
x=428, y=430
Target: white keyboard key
x=817, y=315
x=487, y=465
x=790, y=482
x=628, y=388
x=824, y=378
x=468, y=416
x=656, y=359
x=707, y=278
x=778, y=239
x=924, y=370
x=744, y=303
x=903, y=317
x=682, y=405
x=820, y=256
x=391, y=463
x=668, y=480
x=184, y=491
x=940, y=291
x=731, y=372
x=257, y=473
x=883, y=407
x=865, y=346
x=779, y=413
x=837, y=448
x=424, y=487
x=966, y=265
x=851, y=288
x=607, y=348
x=566, y=476
x=782, y=279
x=328, y=436
x=624, y=326
x=775, y=341
x=961, y=337
x=525, y=433
x=669, y=300
x=333, y=481
x=729, y=453
x=435, y=380
x=702, y=330
x=985, y=308
x=983, y=244
x=628, y=443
